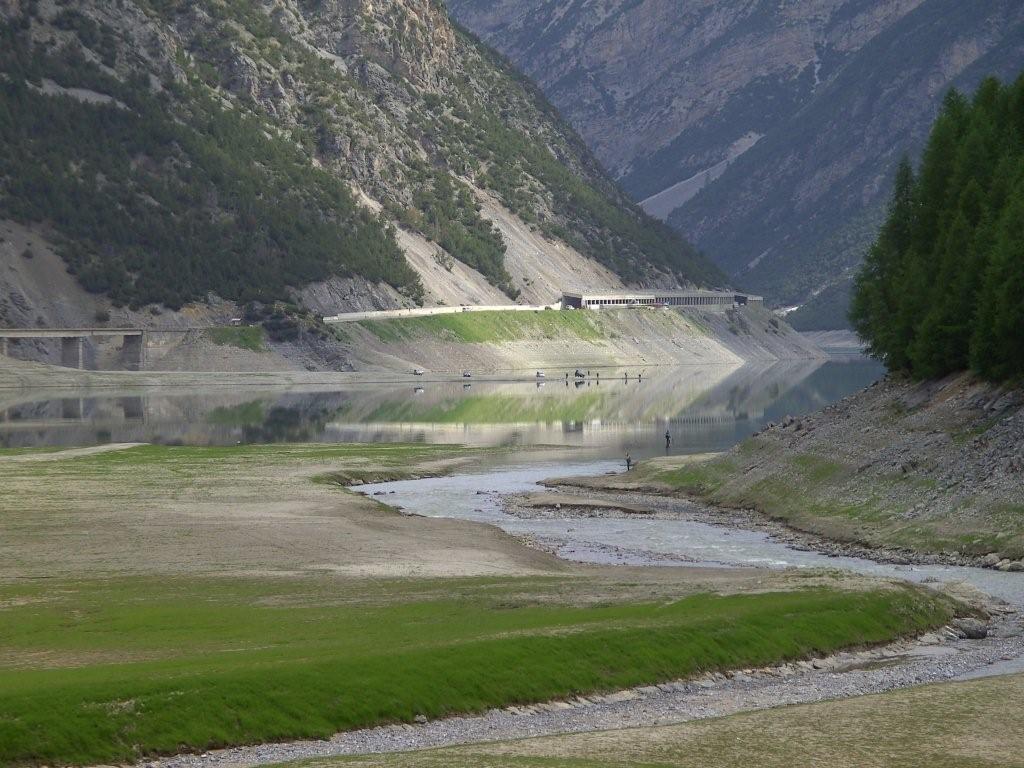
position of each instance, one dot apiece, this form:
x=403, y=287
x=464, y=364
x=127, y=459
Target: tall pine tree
x=998, y=344
x=942, y=288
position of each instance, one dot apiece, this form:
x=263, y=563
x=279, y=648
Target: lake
x=705, y=408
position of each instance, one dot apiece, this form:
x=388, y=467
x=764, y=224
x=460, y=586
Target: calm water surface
x=704, y=408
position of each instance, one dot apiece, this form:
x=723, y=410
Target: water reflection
x=704, y=408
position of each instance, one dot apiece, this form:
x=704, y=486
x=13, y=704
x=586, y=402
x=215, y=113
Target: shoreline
x=746, y=519
x=32, y=376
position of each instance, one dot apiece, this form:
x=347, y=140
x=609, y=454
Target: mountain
x=336, y=153
x=768, y=133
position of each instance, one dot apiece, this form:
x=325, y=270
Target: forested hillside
x=173, y=149
x=942, y=288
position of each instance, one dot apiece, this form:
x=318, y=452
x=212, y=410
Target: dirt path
x=70, y=453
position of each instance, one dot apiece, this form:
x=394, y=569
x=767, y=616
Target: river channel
x=674, y=536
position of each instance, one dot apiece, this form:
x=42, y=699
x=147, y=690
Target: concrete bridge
x=133, y=351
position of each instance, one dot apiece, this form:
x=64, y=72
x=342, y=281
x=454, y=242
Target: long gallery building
x=660, y=298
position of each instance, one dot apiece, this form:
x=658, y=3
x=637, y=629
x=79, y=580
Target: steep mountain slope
x=812, y=102
x=171, y=149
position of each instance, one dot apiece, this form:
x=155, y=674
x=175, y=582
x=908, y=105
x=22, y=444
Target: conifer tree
x=875, y=300
x=942, y=288
x=998, y=344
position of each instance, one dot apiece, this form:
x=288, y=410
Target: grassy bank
x=243, y=337
x=952, y=725
x=490, y=327
x=107, y=670
x=825, y=494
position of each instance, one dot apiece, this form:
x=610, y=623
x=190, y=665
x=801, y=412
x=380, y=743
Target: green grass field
x=109, y=670
x=25, y=451
x=243, y=337
x=490, y=327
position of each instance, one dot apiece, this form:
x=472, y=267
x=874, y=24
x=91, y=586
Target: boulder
x=972, y=629
x=1010, y=565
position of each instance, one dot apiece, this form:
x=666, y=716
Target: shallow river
x=476, y=496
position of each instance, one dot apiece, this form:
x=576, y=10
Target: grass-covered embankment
x=490, y=327
x=503, y=340
x=826, y=496
x=951, y=725
x=109, y=670
x=242, y=337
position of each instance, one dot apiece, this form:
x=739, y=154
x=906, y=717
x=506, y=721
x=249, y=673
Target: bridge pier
x=71, y=408
x=71, y=351
x=133, y=352
x=132, y=408
x=72, y=343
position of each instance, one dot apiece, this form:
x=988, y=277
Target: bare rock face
x=781, y=123
x=243, y=77
x=348, y=295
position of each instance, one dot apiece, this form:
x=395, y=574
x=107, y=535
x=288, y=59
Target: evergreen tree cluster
x=942, y=288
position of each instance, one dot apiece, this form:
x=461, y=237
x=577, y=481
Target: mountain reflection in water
x=704, y=409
